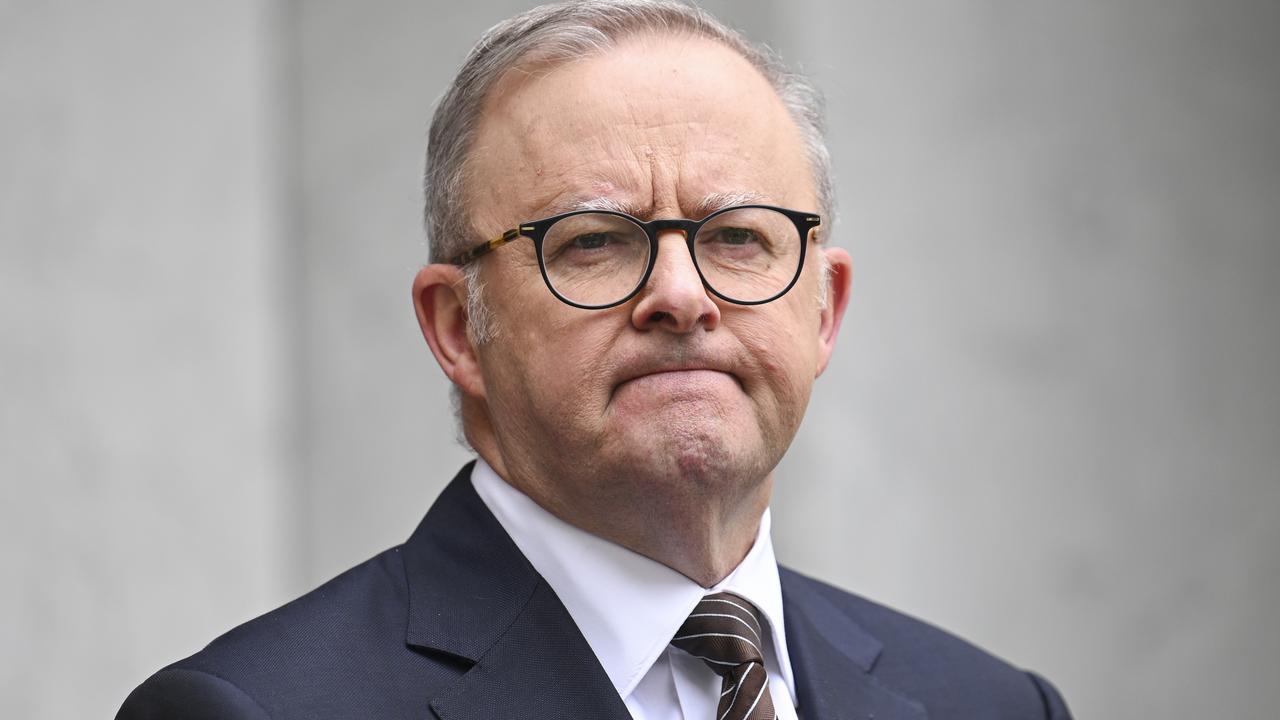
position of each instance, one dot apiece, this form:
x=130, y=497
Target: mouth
x=678, y=379
x=677, y=373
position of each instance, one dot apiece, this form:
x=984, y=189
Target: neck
x=704, y=545
x=701, y=530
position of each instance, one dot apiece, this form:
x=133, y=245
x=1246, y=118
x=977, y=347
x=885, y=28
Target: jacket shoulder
x=176, y=692
x=950, y=676
x=337, y=651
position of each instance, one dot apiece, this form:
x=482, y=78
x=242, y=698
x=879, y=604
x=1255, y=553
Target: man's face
x=674, y=392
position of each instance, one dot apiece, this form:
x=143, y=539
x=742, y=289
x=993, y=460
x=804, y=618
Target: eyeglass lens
x=745, y=254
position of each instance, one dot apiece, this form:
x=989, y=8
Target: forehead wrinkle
x=570, y=189
x=570, y=177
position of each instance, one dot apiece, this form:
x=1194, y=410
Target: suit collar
x=833, y=656
x=474, y=596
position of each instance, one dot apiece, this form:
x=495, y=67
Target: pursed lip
x=659, y=368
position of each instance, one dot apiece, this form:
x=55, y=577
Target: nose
x=674, y=299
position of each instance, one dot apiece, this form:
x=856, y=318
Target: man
x=632, y=297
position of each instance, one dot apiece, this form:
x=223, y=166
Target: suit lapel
x=540, y=668
x=474, y=596
x=831, y=659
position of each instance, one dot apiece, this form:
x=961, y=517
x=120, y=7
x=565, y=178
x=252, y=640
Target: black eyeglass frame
x=537, y=231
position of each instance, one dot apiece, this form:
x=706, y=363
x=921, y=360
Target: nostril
x=659, y=316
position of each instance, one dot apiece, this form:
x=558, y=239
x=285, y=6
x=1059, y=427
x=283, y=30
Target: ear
x=440, y=300
x=840, y=279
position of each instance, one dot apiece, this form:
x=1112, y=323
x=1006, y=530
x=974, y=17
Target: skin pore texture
x=655, y=424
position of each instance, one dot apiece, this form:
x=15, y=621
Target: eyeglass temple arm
x=487, y=246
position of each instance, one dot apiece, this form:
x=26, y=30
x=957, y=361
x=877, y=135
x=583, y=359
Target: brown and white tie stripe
x=724, y=632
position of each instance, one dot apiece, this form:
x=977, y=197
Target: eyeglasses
x=596, y=259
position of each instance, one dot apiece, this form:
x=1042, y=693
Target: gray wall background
x=1052, y=424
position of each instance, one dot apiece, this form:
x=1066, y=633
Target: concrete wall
x=1051, y=425
x=144, y=396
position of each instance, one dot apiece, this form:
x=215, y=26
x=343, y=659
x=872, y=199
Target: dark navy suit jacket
x=456, y=624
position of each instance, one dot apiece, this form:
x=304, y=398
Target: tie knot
x=724, y=631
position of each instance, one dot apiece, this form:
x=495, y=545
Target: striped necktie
x=724, y=632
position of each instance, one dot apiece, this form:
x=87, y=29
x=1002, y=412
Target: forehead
x=656, y=124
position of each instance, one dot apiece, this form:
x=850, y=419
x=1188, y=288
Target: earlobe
x=840, y=280
x=440, y=301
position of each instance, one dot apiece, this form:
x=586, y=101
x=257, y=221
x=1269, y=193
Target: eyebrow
x=603, y=203
x=719, y=201
x=704, y=207
x=579, y=203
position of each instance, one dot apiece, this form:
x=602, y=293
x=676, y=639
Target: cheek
x=783, y=361
x=558, y=374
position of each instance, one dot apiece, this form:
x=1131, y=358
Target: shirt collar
x=627, y=606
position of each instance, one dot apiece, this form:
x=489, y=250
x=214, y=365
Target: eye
x=590, y=241
x=736, y=236
x=732, y=236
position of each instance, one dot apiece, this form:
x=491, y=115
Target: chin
x=694, y=452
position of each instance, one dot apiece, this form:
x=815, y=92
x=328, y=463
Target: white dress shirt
x=628, y=607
